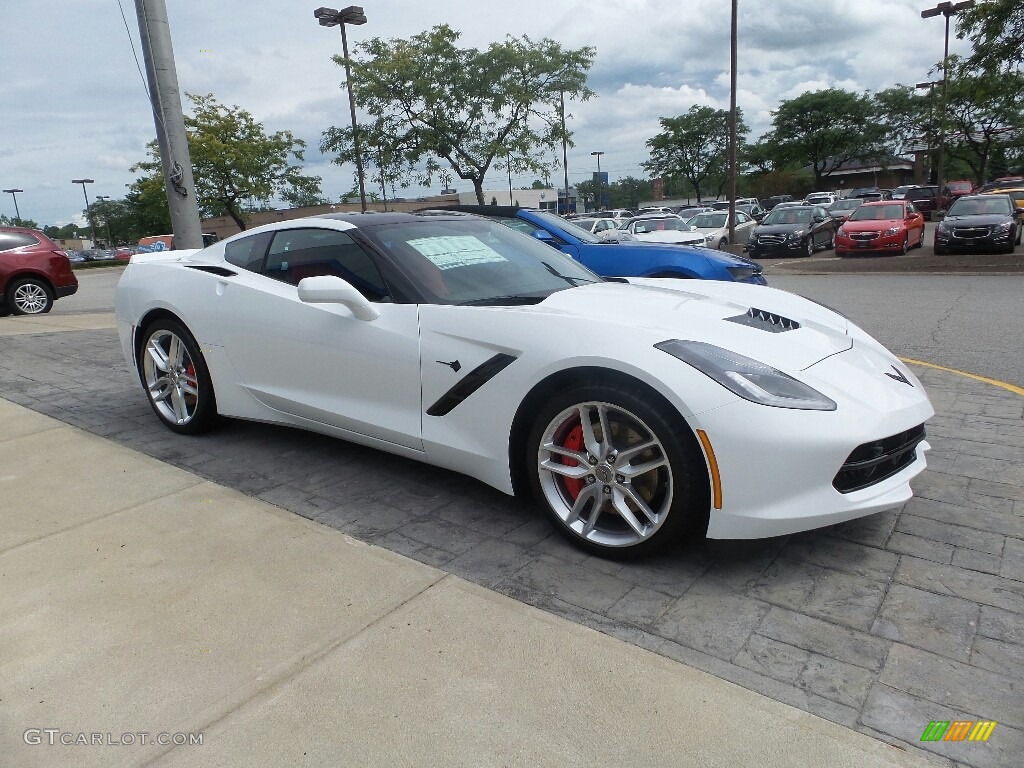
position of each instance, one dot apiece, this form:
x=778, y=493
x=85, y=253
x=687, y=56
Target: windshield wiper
x=502, y=301
x=573, y=281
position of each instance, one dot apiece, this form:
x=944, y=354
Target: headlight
x=741, y=273
x=747, y=378
x=841, y=231
x=943, y=227
x=1005, y=227
x=796, y=235
x=709, y=239
x=892, y=231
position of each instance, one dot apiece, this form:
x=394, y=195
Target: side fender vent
x=766, y=321
x=213, y=270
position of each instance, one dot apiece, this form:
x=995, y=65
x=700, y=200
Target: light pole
x=931, y=115
x=88, y=213
x=732, y=124
x=600, y=184
x=14, y=193
x=106, y=219
x=328, y=17
x=947, y=9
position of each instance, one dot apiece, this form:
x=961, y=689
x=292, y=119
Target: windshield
x=474, y=260
x=788, y=216
x=973, y=206
x=877, y=213
x=643, y=226
x=846, y=204
x=709, y=220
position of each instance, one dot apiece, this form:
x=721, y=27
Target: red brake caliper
x=191, y=371
x=574, y=442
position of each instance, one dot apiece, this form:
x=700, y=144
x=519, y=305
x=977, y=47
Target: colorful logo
x=958, y=730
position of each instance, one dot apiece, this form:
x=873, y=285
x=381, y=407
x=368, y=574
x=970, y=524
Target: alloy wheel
x=30, y=299
x=605, y=474
x=170, y=377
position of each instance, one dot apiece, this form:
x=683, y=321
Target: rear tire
x=29, y=296
x=619, y=474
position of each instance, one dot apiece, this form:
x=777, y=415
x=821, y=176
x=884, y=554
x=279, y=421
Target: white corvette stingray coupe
x=632, y=410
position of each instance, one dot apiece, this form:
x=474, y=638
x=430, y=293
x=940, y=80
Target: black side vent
x=220, y=271
x=766, y=321
x=877, y=461
x=470, y=383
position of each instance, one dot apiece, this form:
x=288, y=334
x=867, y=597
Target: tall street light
x=106, y=219
x=328, y=17
x=931, y=116
x=88, y=213
x=946, y=9
x=14, y=193
x=600, y=184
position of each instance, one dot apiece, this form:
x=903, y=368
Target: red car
x=34, y=272
x=955, y=189
x=889, y=226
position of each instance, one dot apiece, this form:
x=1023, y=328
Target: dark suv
x=925, y=199
x=34, y=272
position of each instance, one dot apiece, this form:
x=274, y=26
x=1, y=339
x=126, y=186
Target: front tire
x=722, y=244
x=29, y=296
x=618, y=474
x=906, y=244
x=176, y=378
x=809, y=248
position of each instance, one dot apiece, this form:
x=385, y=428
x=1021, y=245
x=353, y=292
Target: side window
x=911, y=209
x=299, y=253
x=248, y=252
x=11, y=240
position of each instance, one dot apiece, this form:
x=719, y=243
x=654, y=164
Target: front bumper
x=786, y=247
x=879, y=242
x=783, y=483
x=973, y=240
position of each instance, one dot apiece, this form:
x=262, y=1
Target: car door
x=318, y=361
x=744, y=224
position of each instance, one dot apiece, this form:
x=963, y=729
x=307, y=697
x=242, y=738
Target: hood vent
x=766, y=321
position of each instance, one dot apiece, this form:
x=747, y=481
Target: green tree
x=465, y=106
x=996, y=29
x=824, y=129
x=629, y=192
x=14, y=221
x=984, y=111
x=235, y=162
x=694, y=147
x=147, y=201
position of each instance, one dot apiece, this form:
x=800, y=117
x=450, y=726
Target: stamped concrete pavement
x=880, y=625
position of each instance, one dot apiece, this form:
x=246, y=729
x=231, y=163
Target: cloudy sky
x=74, y=104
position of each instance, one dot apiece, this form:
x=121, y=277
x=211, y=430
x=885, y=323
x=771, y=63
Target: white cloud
x=84, y=111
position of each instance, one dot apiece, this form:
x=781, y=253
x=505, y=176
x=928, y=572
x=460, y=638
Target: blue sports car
x=628, y=259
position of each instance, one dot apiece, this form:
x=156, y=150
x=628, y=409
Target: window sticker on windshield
x=456, y=251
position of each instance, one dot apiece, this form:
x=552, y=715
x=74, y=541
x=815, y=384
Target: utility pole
x=155, y=34
x=565, y=152
x=732, y=128
x=948, y=10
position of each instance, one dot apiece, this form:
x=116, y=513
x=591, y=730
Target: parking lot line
x=994, y=382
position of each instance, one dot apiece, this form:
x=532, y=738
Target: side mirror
x=819, y=218
x=693, y=227
x=327, y=289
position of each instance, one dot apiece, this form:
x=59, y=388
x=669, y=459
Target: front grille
x=864, y=235
x=771, y=239
x=971, y=232
x=877, y=461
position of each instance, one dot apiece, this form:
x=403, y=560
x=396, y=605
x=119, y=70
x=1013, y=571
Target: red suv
x=34, y=272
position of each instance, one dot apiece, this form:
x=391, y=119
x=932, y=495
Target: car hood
x=735, y=316
x=671, y=236
x=723, y=258
x=871, y=224
x=981, y=220
x=780, y=229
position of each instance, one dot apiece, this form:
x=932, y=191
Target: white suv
x=821, y=198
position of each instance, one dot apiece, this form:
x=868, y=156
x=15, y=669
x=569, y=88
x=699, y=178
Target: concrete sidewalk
x=137, y=598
